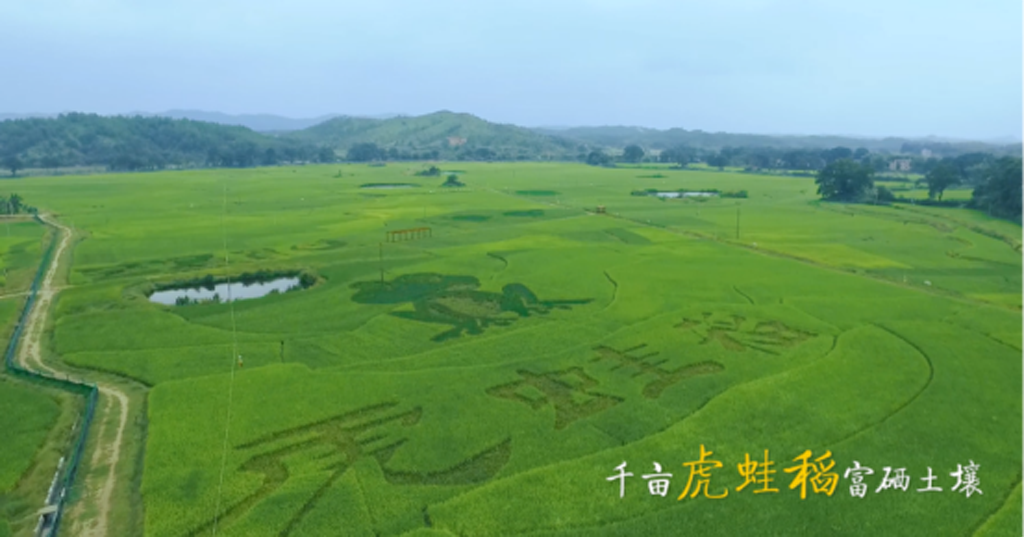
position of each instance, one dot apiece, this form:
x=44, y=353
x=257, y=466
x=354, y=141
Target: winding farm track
x=107, y=453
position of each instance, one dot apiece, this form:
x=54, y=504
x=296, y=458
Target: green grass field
x=509, y=363
x=910, y=191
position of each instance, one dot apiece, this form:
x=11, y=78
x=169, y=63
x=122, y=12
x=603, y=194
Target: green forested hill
x=139, y=143
x=150, y=143
x=438, y=135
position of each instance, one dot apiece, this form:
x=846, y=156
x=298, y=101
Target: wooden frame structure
x=409, y=234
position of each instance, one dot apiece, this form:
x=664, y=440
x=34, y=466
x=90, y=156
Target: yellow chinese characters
x=701, y=469
x=757, y=473
x=817, y=472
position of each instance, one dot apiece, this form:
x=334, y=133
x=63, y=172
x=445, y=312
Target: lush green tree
x=365, y=152
x=452, y=181
x=940, y=178
x=429, y=172
x=759, y=159
x=326, y=155
x=718, y=160
x=598, y=158
x=973, y=167
x=1000, y=193
x=884, y=195
x=269, y=157
x=681, y=154
x=802, y=159
x=50, y=161
x=13, y=163
x=14, y=202
x=836, y=153
x=633, y=153
x=860, y=153
x=844, y=180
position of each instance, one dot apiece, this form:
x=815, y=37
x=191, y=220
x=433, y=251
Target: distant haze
x=871, y=68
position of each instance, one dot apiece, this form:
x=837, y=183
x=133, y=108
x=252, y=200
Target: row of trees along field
x=769, y=158
x=996, y=183
x=13, y=204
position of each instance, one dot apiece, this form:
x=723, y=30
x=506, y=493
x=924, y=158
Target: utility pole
x=737, y=221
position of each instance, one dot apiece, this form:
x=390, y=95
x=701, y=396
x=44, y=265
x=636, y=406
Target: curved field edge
x=1006, y=522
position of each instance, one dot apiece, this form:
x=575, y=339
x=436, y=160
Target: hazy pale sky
x=870, y=67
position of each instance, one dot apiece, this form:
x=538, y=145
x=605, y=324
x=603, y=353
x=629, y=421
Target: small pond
x=685, y=194
x=239, y=291
x=388, y=185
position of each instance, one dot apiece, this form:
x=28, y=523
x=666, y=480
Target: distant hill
x=4, y=117
x=441, y=134
x=152, y=142
x=256, y=122
x=140, y=143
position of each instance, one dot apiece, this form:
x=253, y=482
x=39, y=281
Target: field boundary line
x=615, y=290
x=1013, y=486
x=744, y=295
x=908, y=402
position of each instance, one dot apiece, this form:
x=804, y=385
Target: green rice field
x=489, y=377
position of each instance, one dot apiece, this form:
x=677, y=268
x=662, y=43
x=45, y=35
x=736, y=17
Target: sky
x=866, y=68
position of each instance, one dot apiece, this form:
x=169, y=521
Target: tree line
x=996, y=182
x=14, y=204
x=757, y=158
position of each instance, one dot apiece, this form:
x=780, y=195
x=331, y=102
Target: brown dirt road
x=107, y=452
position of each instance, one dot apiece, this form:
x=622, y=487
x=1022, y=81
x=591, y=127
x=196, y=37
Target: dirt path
x=30, y=356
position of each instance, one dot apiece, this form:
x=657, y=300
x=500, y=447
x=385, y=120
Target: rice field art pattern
x=456, y=302
x=334, y=445
x=496, y=375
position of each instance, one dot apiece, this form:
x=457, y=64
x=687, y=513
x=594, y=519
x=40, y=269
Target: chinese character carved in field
x=736, y=333
x=641, y=365
x=456, y=301
x=336, y=444
x=570, y=392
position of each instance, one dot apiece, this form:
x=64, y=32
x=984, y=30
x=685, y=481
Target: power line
x=234, y=359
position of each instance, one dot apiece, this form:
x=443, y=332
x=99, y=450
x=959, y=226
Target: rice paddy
x=490, y=378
